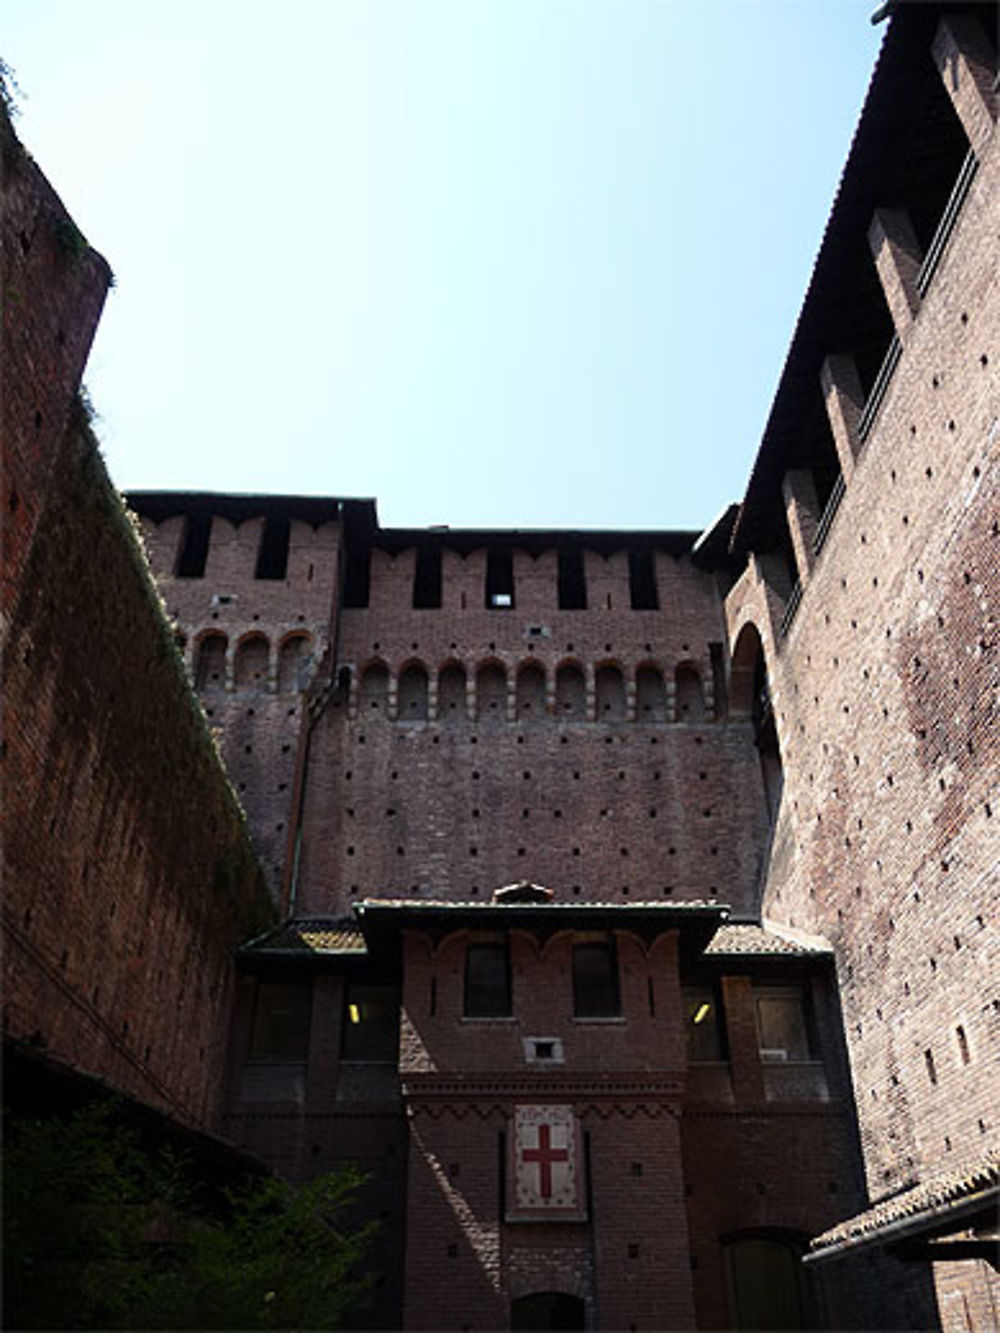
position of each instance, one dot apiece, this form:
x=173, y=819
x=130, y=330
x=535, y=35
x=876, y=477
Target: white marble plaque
x=545, y=1167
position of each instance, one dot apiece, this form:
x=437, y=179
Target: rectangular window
x=702, y=1027
x=357, y=576
x=371, y=1023
x=193, y=551
x=642, y=581
x=499, y=579
x=782, y=1030
x=487, y=981
x=272, y=554
x=427, y=579
x=595, y=980
x=281, y=1022
x=572, y=581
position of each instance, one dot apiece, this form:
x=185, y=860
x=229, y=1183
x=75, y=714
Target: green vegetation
x=102, y=1231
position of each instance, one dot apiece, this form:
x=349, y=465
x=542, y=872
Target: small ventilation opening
x=272, y=557
x=193, y=551
x=572, y=582
x=427, y=579
x=642, y=581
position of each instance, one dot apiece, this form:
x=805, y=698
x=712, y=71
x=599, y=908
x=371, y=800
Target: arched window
x=210, y=668
x=491, y=692
x=413, y=693
x=610, y=692
x=690, y=699
x=750, y=699
x=650, y=695
x=765, y=1282
x=251, y=662
x=451, y=692
x=547, y=1310
x=571, y=693
x=373, y=695
x=293, y=658
x=530, y=692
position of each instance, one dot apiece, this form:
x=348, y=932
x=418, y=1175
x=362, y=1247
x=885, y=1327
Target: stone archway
x=544, y=1310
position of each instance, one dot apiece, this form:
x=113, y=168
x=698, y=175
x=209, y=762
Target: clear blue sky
x=525, y=263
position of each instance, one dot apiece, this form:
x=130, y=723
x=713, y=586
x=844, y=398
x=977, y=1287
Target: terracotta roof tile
x=312, y=936
x=765, y=941
x=930, y=1196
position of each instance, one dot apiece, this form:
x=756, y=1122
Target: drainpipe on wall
x=315, y=713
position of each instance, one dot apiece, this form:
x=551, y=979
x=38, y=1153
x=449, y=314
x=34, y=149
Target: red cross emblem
x=545, y=1155
x=546, y=1170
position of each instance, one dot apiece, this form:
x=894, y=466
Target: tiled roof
x=479, y=904
x=765, y=941
x=313, y=936
x=929, y=1200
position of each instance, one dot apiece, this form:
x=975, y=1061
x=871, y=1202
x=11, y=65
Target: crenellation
x=637, y=889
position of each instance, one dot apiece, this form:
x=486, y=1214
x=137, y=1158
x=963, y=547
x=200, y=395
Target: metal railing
x=885, y=374
x=791, y=606
x=829, y=514
x=945, y=227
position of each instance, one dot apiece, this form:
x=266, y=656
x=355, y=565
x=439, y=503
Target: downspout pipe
x=315, y=712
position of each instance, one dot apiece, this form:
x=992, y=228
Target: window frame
x=594, y=1010
x=479, y=948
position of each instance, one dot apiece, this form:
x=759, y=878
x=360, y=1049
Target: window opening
x=427, y=579
x=370, y=1031
x=272, y=554
x=595, y=980
x=782, y=1029
x=499, y=578
x=280, y=1029
x=357, y=577
x=702, y=1028
x=487, y=981
x=572, y=580
x=193, y=553
x=642, y=581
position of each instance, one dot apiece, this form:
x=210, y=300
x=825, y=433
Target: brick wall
x=495, y=775
x=128, y=875
x=253, y=646
x=884, y=690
